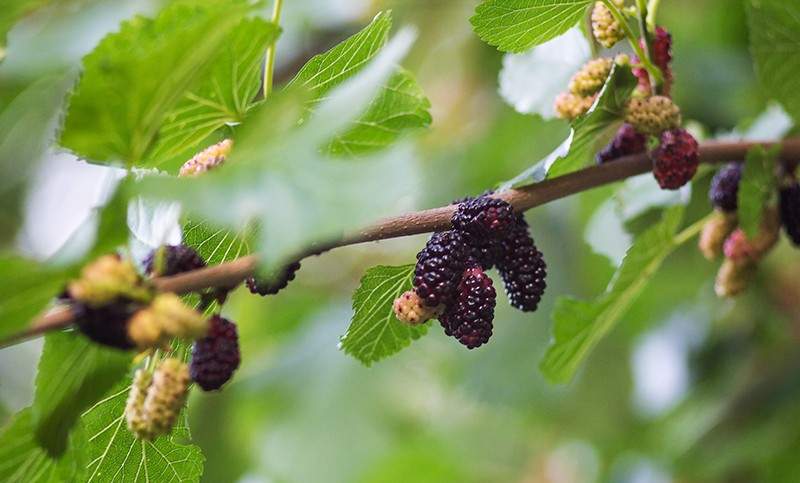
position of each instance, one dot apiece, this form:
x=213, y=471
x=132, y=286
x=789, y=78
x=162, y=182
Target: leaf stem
x=654, y=71
x=647, y=38
x=652, y=8
x=269, y=62
x=691, y=231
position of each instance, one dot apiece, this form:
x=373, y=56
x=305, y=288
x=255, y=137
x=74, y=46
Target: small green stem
x=269, y=63
x=654, y=71
x=691, y=231
x=645, y=32
x=652, y=8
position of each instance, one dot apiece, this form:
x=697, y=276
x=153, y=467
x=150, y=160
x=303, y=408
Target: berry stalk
x=644, y=57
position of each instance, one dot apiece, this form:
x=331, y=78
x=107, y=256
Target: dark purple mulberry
x=676, y=159
x=627, y=141
x=725, y=187
x=483, y=217
x=107, y=324
x=469, y=319
x=216, y=356
x=790, y=211
x=439, y=267
x=177, y=259
x=522, y=267
x=272, y=286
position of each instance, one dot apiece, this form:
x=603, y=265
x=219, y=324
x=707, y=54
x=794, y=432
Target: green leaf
x=27, y=128
x=400, y=105
x=757, y=187
x=73, y=374
x=516, y=25
x=136, y=76
x=579, y=325
x=26, y=288
x=374, y=331
x=23, y=461
x=278, y=179
x=588, y=131
x=775, y=44
x=115, y=455
x=224, y=95
x=217, y=245
x=12, y=11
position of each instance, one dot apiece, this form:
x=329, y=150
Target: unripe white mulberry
x=606, y=29
x=653, y=115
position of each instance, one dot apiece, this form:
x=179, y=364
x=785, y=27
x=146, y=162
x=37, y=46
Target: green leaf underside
x=588, y=131
x=140, y=73
x=23, y=461
x=400, y=104
x=216, y=245
x=73, y=374
x=224, y=95
x=775, y=45
x=579, y=325
x=374, y=332
x=113, y=454
x=757, y=187
x=516, y=25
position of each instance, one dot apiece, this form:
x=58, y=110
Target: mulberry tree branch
x=232, y=273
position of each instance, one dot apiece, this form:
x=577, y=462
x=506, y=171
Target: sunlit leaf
x=578, y=325
x=516, y=25
x=375, y=332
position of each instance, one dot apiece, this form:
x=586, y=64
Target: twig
x=232, y=273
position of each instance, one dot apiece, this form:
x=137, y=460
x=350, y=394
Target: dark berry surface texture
x=439, y=267
x=790, y=211
x=626, y=142
x=177, y=259
x=107, y=325
x=484, y=217
x=216, y=356
x=724, y=187
x=470, y=318
x=676, y=159
x=523, y=268
x=272, y=286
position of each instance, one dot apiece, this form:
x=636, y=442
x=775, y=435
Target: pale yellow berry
x=105, y=279
x=591, y=77
x=178, y=319
x=409, y=308
x=714, y=233
x=605, y=28
x=733, y=277
x=653, y=115
x=207, y=159
x=145, y=330
x=166, y=396
x=134, y=408
x=569, y=106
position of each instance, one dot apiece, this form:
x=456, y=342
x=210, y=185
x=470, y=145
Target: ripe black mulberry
x=470, y=318
x=439, y=268
x=724, y=187
x=215, y=357
x=627, y=141
x=790, y=211
x=263, y=287
x=176, y=259
x=522, y=267
x=106, y=324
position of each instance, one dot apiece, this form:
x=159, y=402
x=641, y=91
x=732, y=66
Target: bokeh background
x=687, y=388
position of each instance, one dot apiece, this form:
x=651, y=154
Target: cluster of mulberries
x=450, y=280
x=271, y=286
x=583, y=89
x=721, y=234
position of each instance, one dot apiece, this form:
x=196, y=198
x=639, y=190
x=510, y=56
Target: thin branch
x=232, y=273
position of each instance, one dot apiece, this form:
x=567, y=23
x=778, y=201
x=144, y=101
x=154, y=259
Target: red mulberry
x=724, y=188
x=626, y=142
x=176, y=259
x=676, y=159
x=215, y=357
x=439, y=267
x=790, y=211
x=662, y=57
x=523, y=269
x=272, y=286
x=470, y=318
